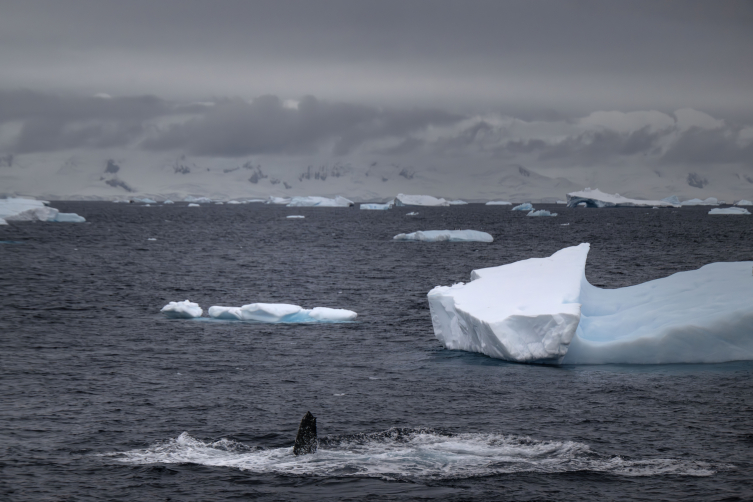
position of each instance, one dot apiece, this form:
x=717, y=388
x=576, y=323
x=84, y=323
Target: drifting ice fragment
x=597, y=198
x=544, y=310
x=313, y=201
x=168, y=201
x=541, y=212
x=201, y=200
x=280, y=313
x=523, y=207
x=729, y=210
x=672, y=199
x=19, y=209
x=193, y=205
x=457, y=202
x=419, y=200
x=412, y=213
x=445, y=235
x=498, y=203
x=295, y=216
x=744, y=203
x=182, y=310
x=278, y=200
x=378, y=207
x=711, y=201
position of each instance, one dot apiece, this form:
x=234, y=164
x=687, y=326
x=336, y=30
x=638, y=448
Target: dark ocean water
x=97, y=388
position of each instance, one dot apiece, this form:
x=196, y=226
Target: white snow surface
x=280, y=313
x=419, y=200
x=445, y=235
x=541, y=212
x=744, y=202
x=182, y=310
x=527, y=206
x=544, y=310
x=314, y=201
x=498, y=203
x=597, y=198
x=711, y=201
x=729, y=210
x=378, y=207
x=20, y=209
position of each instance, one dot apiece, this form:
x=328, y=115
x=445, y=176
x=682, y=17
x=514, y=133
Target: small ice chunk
x=219, y=203
x=268, y=312
x=226, y=313
x=445, y=235
x=182, y=310
x=498, y=203
x=412, y=213
x=201, y=200
x=193, y=205
x=561, y=202
x=281, y=313
x=457, y=202
x=527, y=206
x=151, y=239
x=277, y=200
x=168, y=201
x=313, y=201
x=378, y=207
x=295, y=216
x=541, y=212
x=69, y=218
x=328, y=314
x=234, y=202
x=744, y=202
x=729, y=210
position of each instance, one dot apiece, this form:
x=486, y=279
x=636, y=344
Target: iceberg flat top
x=711, y=201
x=457, y=202
x=19, y=209
x=280, y=313
x=419, y=200
x=729, y=210
x=498, y=203
x=597, y=198
x=14, y=206
x=314, y=201
x=445, y=235
x=378, y=207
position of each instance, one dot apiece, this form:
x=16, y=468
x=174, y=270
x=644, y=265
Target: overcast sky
x=290, y=76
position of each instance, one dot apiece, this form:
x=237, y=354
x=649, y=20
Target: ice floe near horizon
x=445, y=235
x=378, y=207
x=457, y=202
x=711, y=201
x=744, y=203
x=597, y=198
x=182, y=310
x=419, y=200
x=526, y=206
x=314, y=201
x=498, y=203
x=544, y=310
x=295, y=217
x=412, y=213
x=168, y=201
x=729, y=210
x=194, y=205
x=281, y=313
x=198, y=200
x=278, y=200
x=541, y=212
x=20, y=209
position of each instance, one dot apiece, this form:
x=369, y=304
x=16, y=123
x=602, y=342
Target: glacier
x=445, y=235
x=378, y=207
x=20, y=209
x=419, y=200
x=597, y=198
x=729, y=210
x=182, y=310
x=314, y=201
x=541, y=212
x=527, y=206
x=543, y=310
x=281, y=313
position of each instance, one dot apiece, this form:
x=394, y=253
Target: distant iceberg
x=281, y=313
x=729, y=210
x=145, y=200
x=457, y=202
x=194, y=205
x=199, y=200
x=544, y=310
x=597, y=198
x=446, y=235
x=744, y=203
x=419, y=200
x=711, y=201
x=412, y=213
x=541, y=212
x=182, y=310
x=498, y=203
x=378, y=207
x=234, y=202
x=672, y=199
x=278, y=200
x=527, y=206
x=295, y=217
x=313, y=201
x=168, y=201
x=20, y=209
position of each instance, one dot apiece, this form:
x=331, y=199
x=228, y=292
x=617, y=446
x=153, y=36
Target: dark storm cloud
x=235, y=127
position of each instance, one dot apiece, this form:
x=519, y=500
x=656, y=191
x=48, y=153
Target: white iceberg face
x=412, y=213
x=498, y=203
x=378, y=207
x=523, y=207
x=193, y=205
x=445, y=235
x=182, y=310
x=729, y=210
x=69, y=218
x=168, y=201
x=313, y=201
x=280, y=313
x=541, y=212
x=544, y=310
x=278, y=200
x=419, y=200
x=672, y=200
x=597, y=198
x=3, y=222
x=457, y=202
x=744, y=203
x=233, y=202
x=18, y=209
x=711, y=201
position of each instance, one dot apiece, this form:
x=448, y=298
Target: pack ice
x=419, y=200
x=280, y=313
x=544, y=310
x=314, y=201
x=597, y=198
x=19, y=209
x=445, y=235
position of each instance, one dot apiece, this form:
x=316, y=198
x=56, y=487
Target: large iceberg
x=672, y=199
x=597, y=198
x=445, y=235
x=526, y=206
x=280, y=313
x=498, y=203
x=419, y=200
x=314, y=201
x=19, y=209
x=378, y=207
x=544, y=310
x=744, y=202
x=182, y=310
x=729, y=210
x=711, y=201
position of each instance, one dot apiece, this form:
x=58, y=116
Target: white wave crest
x=411, y=454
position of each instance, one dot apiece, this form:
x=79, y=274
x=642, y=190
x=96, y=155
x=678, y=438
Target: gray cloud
x=703, y=146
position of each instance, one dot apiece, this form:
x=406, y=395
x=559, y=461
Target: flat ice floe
x=281, y=313
x=295, y=217
x=314, y=201
x=498, y=203
x=445, y=235
x=527, y=206
x=419, y=200
x=541, y=212
x=544, y=310
x=411, y=454
x=457, y=202
x=597, y=198
x=729, y=210
x=20, y=209
x=182, y=310
x=378, y=207
x=711, y=201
